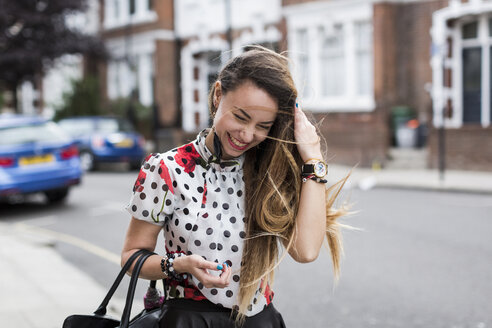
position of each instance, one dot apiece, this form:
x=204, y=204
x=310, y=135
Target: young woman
x=226, y=199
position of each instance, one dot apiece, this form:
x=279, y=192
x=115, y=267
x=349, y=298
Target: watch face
x=320, y=169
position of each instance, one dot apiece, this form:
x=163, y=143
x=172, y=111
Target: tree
x=33, y=33
x=83, y=99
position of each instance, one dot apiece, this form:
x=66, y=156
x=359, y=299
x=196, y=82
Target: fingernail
x=297, y=105
x=219, y=267
x=227, y=265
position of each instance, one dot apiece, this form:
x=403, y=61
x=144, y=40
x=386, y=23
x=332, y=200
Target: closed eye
x=240, y=118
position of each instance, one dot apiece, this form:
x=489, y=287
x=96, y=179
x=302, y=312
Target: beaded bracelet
x=314, y=178
x=168, y=269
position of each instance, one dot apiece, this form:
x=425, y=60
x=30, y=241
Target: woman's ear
x=217, y=93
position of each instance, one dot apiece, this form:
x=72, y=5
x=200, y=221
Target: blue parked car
x=105, y=139
x=36, y=155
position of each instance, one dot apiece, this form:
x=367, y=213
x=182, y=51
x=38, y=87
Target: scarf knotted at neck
x=216, y=157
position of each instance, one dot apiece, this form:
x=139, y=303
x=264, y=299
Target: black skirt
x=186, y=313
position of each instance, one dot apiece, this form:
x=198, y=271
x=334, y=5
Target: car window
x=114, y=125
x=77, y=128
x=45, y=132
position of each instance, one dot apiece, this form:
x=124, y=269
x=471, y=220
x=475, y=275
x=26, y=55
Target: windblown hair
x=272, y=174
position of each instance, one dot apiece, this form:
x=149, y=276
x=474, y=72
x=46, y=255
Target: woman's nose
x=247, y=134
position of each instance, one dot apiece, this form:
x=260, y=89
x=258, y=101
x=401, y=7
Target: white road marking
x=75, y=241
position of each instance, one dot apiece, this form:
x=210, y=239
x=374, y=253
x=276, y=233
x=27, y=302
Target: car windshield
x=110, y=125
x=44, y=132
x=77, y=128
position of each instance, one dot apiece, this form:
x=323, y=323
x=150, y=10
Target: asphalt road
x=419, y=259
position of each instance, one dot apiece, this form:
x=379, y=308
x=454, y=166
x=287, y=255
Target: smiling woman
x=226, y=200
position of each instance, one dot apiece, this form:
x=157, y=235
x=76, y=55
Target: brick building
x=353, y=61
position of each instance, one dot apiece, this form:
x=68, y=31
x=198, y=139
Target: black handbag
x=99, y=319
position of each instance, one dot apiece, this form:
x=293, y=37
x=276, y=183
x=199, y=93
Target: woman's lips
x=236, y=143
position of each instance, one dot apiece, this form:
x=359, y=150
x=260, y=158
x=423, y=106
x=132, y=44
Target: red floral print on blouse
x=186, y=157
x=140, y=181
x=164, y=173
x=268, y=294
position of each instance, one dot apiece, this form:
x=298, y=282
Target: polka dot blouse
x=200, y=205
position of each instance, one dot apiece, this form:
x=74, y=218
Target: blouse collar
x=209, y=159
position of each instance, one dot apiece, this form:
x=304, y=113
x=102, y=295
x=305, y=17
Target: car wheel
x=87, y=161
x=57, y=196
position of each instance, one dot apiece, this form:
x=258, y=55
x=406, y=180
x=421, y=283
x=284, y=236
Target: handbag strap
x=125, y=318
x=101, y=310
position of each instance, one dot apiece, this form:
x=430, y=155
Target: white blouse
x=200, y=205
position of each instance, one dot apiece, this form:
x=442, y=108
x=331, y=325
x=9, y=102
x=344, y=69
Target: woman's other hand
x=199, y=268
x=308, y=141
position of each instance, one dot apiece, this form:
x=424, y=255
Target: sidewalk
x=454, y=181
x=38, y=288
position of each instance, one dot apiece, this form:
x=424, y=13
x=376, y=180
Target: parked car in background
x=36, y=155
x=105, y=139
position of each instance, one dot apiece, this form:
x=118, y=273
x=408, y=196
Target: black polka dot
x=214, y=205
x=188, y=226
x=175, y=184
x=234, y=180
x=239, y=193
x=145, y=213
x=170, y=243
x=229, y=263
x=200, y=189
x=198, y=243
x=172, y=233
x=170, y=158
x=210, y=231
x=250, y=307
x=154, y=185
x=217, y=190
x=178, y=248
x=188, y=149
x=142, y=196
x=200, y=285
x=229, y=293
x=146, y=166
x=186, y=186
x=227, y=233
x=235, y=278
x=213, y=291
x=225, y=206
x=195, y=228
x=181, y=239
x=242, y=234
x=232, y=219
x=255, y=301
x=165, y=187
x=134, y=208
x=152, y=168
x=192, y=175
x=168, y=202
x=156, y=200
x=159, y=171
x=186, y=211
x=219, y=216
x=176, y=222
x=185, y=161
x=182, y=197
x=194, y=199
x=230, y=191
x=178, y=170
x=213, y=246
x=234, y=248
x=189, y=253
x=223, y=177
x=219, y=246
x=205, y=215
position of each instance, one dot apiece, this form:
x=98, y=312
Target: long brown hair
x=272, y=173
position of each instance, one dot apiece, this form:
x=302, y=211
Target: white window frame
x=313, y=22
x=484, y=41
x=122, y=18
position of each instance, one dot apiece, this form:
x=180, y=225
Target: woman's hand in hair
x=308, y=141
x=199, y=268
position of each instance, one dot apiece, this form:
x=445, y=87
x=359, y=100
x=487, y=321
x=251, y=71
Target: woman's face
x=244, y=118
